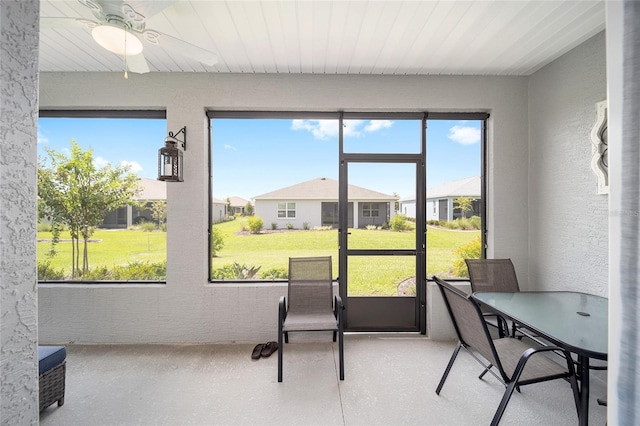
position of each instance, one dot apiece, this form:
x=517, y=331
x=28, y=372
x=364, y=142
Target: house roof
x=322, y=189
x=468, y=187
x=151, y=189
x=238, y=201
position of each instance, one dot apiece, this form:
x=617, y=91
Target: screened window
x=370, y=210
x=115, y=231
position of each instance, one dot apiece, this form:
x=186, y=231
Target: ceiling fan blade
x=137, y=63
x=149, y=8
x=180, y=46
x=66, y=23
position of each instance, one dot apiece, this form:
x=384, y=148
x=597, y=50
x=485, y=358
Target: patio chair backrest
x=310, y=285
x=468, y=322
x=492, y=275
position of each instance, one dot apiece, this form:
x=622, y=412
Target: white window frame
x=287, y=209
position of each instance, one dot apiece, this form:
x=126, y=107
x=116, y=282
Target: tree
x=159, y=211
x=248, y=209
x=465, y=204
x=74, y=193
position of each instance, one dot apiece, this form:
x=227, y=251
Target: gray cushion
x=49, y=357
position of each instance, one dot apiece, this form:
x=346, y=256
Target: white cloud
x=134, y=166
x=230, y=147
x=100, y=162
x=464, y=135
x=376, y=125
x=42, y=138
x=323, y=129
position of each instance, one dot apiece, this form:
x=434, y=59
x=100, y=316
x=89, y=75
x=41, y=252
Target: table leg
x=583, y=373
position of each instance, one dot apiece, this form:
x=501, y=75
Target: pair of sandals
x=264, y=350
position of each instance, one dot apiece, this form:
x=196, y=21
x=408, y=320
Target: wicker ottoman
x=52, y=370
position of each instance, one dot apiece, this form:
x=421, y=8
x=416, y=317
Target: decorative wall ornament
x=600, y=148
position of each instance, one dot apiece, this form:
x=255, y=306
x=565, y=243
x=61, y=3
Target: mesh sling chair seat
x=516, y=362
x=310, y=304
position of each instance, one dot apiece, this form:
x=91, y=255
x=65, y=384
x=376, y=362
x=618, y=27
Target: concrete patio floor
x=390, y=379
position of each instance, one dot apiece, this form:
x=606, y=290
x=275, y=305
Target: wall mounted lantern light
x=170, y=162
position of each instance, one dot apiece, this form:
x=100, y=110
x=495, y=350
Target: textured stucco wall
x=568, y=228
x=188, y=309
x=18, y=133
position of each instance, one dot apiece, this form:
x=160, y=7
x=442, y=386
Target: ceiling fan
x=121, y=29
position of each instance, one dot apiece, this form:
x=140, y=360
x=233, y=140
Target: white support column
x=18, y=285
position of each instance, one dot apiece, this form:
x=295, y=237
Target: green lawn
x=375, y=275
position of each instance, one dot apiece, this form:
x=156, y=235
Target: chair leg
x=446, y=371
x=341, y=353
x=279, y=352
x=503, y=404
x=286, y=337
x=335, y=333
x=486, y=370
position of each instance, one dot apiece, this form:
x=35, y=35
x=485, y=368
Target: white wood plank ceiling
x=336, y=37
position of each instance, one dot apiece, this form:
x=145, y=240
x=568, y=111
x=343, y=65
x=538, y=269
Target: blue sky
x=252, y=157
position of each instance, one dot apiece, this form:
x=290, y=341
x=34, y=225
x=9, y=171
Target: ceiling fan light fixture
x=117, y=40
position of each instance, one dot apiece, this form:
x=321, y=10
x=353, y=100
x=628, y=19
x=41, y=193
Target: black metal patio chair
x=516, y=362
x=310, y=304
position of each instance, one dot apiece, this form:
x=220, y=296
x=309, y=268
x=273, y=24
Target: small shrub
x=371, y=227
x=44, y=227
x=146, y=226
x=163, y=227
x=255, y=224
x=322, y=228
x=224, y=273
x=305, y=226
x=274, y=226
x=289, y=225
x=399, y=223
x=471, y=250
x=46, y=272
x=235, y=271
x=274, y=274
x=217, y=241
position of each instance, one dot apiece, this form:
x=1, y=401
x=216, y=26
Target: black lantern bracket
x=174, y=138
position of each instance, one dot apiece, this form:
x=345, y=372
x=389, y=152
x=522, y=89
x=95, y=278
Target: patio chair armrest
x=532, y=351
x=338, y=307
x=282, y=309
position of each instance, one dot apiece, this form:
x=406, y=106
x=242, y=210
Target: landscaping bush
x=217, y=241
x=274, y=274
x=147, y=226
x=46, y=272
x=289, y=225
x=399, y=223
x=255, y=224
x=235, y=271
x=371, y=227
x=44, y=227
x=274, y=226
x=134, y=271
x=305, y=226
x=471, y=250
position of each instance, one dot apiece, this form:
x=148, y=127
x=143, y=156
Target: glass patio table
x=577, y=322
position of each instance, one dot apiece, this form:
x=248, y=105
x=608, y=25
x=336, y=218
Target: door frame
x=387, y=313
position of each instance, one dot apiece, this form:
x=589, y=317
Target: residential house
x=441, y=199
x=237, y=205
x=315, y=203
x=150, y=190
x=219, y=210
